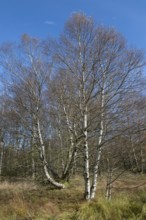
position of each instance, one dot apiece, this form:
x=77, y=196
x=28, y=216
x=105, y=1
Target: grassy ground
x=28, y=201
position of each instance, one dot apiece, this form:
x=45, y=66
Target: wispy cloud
x=49, y=22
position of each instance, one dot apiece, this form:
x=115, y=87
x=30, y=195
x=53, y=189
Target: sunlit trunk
x=86, y=158
x=44, y=160
x=99, y=147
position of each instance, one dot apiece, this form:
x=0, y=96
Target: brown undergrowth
x=30, y=201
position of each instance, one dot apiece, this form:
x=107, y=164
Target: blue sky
x=42, y=18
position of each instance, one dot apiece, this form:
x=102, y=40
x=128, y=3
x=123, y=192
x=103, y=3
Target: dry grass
x=18, y=186
x=28, y=201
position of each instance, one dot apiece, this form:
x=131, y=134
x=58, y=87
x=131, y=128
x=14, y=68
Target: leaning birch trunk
x=44, y=160
x=99, y=147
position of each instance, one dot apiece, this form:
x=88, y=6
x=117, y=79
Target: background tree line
x=75, y=105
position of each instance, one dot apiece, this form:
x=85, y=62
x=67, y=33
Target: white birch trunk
x=84, y=111
x=43, y=158
x=86, y=158
x=96, y=168
x=99, y=147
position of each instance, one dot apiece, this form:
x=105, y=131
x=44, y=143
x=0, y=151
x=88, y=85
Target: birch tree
x=104, y=69
x=30, y=72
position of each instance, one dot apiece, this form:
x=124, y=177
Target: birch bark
x=99, y=147
x=44, y=160
x=86, y=159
